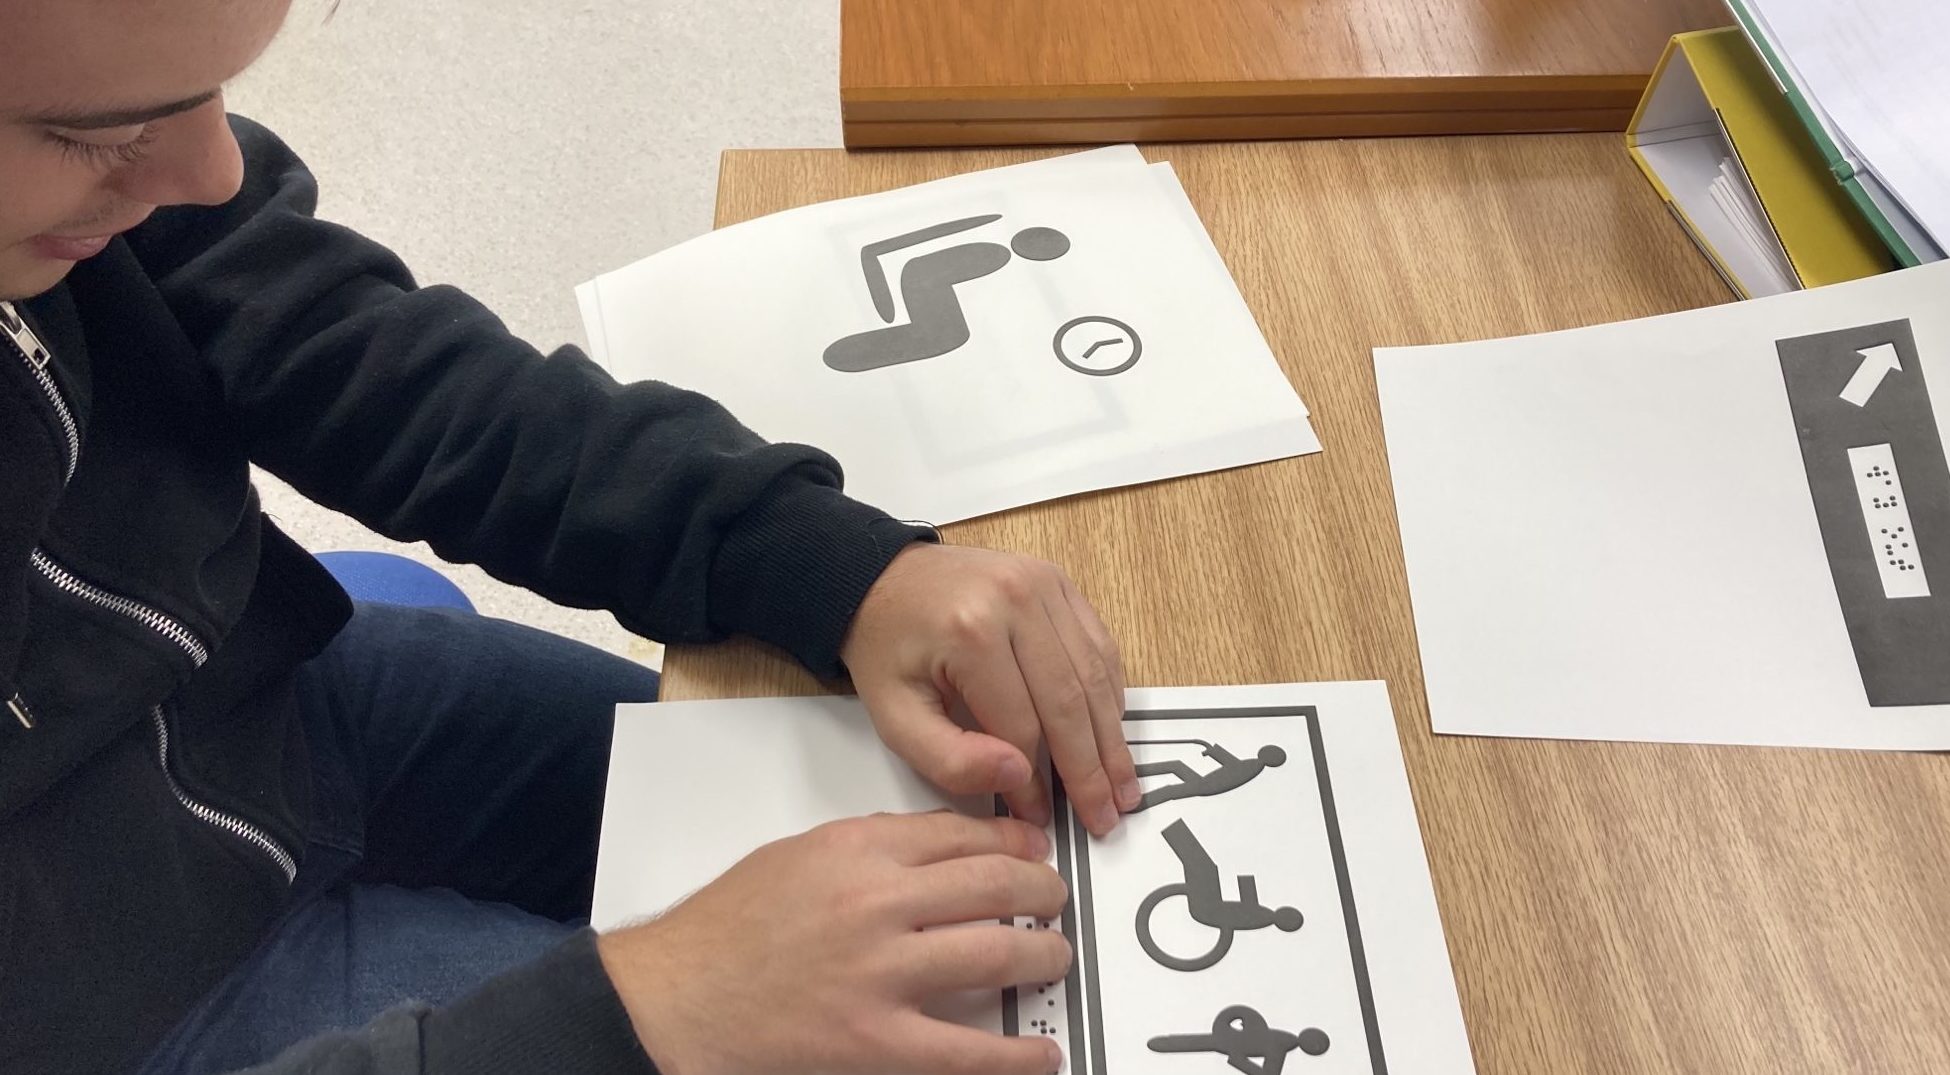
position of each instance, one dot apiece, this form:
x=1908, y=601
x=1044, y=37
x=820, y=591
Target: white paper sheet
x=1613, y=532
x=592, y=319
x=1161, y=372
x=1875, y=70
x=1329, y=831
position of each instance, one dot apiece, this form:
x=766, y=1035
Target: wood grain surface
x=995, y=72
x=1610, y=907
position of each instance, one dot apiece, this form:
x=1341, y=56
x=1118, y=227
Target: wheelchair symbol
x=1206, y=902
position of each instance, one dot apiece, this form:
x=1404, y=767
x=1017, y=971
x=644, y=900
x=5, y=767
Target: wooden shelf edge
x=1427, y=92
x=1088, y=130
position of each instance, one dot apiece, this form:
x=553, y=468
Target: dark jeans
x=459, y=765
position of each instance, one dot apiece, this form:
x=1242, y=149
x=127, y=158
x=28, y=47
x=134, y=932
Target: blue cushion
x=386, y=579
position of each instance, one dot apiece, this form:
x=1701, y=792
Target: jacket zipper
x=154, y=619
x=31, y=351
x=168, y=627
x=214, y=817
x=28, y=347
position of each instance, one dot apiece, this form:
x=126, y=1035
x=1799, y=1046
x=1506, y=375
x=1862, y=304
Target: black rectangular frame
x=1082, y=987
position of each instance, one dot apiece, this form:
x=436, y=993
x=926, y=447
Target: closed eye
x=112, y=154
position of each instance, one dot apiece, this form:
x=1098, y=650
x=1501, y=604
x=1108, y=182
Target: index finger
x=1066, y=709
x=925, y=839
x=1092, y=655
x=993, y=687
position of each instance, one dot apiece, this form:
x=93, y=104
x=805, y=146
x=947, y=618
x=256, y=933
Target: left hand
x=1012, y=640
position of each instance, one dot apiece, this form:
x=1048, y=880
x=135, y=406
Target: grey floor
x=516, y=148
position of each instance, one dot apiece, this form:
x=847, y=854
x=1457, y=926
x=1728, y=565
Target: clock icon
x=1098, y=346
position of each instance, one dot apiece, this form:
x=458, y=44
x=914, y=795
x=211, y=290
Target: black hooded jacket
x=151, y=813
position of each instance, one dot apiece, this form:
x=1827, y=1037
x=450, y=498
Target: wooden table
x=1610, y=907
x=1004, y=72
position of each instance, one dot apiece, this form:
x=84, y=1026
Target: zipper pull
x=18, y=707
x=24, y=338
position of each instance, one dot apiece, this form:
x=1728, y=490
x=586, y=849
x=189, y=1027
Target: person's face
x=110, y=109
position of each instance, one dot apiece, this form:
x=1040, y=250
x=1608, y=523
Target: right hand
x=815, y=953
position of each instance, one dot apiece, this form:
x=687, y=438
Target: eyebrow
x=102, y=121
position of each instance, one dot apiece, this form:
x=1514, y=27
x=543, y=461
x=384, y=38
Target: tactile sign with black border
x=1881, y=489
x=1217, y=930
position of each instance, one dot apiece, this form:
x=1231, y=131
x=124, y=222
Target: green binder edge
x=1837, y=163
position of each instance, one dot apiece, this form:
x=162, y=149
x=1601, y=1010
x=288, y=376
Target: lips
x=61, y=248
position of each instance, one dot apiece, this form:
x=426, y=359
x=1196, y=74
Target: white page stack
x=1873, y=72
x=970, y=345
x=1729, y=525
x=1268, y=908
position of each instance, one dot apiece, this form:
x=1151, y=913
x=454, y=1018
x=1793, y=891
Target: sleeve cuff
x=795, y=568
x=559, y=1013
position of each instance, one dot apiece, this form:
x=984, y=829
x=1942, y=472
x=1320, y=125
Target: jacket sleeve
x=557, y=1014
x=417, y=412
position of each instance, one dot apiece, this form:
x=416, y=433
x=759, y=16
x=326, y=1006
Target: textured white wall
x=518, y=147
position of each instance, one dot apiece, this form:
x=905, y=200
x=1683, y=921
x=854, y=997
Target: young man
x=235, y=814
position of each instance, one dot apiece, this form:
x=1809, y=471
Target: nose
x=194, y=160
